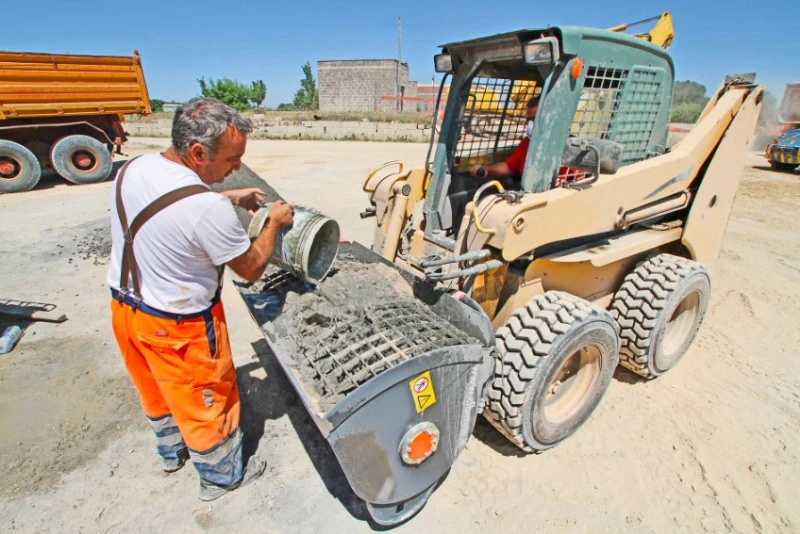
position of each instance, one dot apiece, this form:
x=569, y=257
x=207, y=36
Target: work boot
x=174, y=464
x=209, y=492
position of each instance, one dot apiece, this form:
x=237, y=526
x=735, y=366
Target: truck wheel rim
x=679, y=327
x=83, y=160
x=10, y=169
x=572, y=385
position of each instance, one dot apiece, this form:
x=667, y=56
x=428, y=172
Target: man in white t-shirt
x=171, y=240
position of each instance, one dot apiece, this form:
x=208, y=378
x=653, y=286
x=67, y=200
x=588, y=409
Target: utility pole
x=399, y=60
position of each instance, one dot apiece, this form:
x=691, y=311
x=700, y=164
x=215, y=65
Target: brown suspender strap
x=129, y=266
x=145, y=215
x=123, y=220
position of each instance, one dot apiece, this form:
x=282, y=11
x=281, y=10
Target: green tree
x=689, y=92
x=156, y=105
x=688, y=101
x=687, y=112
x=236, y=94
x=258, y=92
x=307, y=97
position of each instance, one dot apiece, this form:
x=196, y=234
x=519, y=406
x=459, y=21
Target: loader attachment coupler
x=741, y=79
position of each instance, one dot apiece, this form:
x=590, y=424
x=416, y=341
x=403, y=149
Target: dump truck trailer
x=64, y=113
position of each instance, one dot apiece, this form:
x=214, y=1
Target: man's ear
x=198, y=153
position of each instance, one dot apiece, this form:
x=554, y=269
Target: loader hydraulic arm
x=661, y=34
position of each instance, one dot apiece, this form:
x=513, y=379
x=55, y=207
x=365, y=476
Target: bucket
x=307, y=248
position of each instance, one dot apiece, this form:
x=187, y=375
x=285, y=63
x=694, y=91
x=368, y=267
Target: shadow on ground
x=272, y=398
x=770, y=169
x=50, y=179
x=488, y=435
x=627, y=377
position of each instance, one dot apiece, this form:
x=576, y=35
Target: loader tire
x=81, y=159
x=660, y=307
x=19, y=169
x=555, y=359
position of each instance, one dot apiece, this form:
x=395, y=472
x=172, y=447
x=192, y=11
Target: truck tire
x=81, y=159
x=660, y=307
x=19, y=169
x=554, y=362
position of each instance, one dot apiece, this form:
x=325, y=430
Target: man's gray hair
x=203, y=121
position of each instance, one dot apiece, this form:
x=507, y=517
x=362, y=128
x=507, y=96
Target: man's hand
x=498, y=171
x=252, y=263
x=250, y=199
x=479, y=172
x=281, y=213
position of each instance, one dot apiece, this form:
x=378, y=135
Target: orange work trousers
x=183, y=370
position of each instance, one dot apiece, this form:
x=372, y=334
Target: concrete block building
x=364, y=85
x=427, y=96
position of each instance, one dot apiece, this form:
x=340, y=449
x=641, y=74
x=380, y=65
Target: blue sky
x=258, y=39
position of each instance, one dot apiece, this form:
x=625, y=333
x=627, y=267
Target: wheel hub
x=679, y=328
x=9, y=169
x=572, y=384
x=83, y=160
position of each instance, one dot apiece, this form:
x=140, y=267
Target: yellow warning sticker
x=422, y=391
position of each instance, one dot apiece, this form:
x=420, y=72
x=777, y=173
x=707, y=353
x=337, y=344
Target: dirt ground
x=712, y=446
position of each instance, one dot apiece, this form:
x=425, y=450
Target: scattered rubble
x=96, y=244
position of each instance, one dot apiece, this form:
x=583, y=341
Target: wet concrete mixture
x=360, y=321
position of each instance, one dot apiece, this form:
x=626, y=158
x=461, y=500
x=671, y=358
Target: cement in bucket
x=307, y=248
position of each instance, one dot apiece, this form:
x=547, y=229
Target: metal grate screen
x=602, y=92
x=638, y=111
x=494, y=119
x=622, y=106
x=356, y=350
x=354, y=344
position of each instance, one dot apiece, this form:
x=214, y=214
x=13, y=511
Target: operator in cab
x=514, y=165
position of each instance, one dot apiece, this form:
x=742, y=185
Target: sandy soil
x=712, y=446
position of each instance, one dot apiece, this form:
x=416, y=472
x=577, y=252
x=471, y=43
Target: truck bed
x=59, y=85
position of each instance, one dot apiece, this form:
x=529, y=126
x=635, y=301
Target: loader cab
x=588, y=84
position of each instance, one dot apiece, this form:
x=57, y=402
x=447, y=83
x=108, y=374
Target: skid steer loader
x=599, y=253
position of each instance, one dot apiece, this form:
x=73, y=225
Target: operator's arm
x=252, y=263
x=513, y=166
